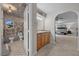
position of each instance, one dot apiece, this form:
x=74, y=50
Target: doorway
x=13, y=31
x=66, y=30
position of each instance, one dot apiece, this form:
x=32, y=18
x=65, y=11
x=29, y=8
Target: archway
x=66, y=30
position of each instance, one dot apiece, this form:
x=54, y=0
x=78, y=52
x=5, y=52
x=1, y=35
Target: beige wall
x=18, y=24
x=1, y=30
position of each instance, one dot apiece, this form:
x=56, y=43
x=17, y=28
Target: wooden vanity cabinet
x=39, y=41
x=47, y=38
x=42, y=39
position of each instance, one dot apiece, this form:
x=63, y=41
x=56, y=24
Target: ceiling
x=49, y=8
x=20, y=7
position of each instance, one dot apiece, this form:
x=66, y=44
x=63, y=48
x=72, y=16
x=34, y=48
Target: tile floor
x=17, y=48
x=65, y=46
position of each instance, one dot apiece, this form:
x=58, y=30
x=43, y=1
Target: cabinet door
x=43, y=39
x=38, y=41
x=47, y=38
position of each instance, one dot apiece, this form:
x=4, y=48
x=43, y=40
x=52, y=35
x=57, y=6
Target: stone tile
x=65, y=46
x=17, y=48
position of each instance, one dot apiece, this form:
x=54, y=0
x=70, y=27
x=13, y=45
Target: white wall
x=40, y=25
x=26, y=30
x=40, y=22
x=32, y=29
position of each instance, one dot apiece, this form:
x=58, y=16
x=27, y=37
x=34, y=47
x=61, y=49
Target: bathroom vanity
x=43, y=38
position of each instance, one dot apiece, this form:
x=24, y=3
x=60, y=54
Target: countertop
x=42, y=31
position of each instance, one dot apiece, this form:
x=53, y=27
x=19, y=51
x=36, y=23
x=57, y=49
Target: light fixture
x=9, y=7
x=40, y=17
x=9, y=10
